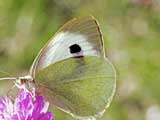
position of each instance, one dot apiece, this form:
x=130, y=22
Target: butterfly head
x=24, y=81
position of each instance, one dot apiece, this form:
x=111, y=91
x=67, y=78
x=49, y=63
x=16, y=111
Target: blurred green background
x=131, y=30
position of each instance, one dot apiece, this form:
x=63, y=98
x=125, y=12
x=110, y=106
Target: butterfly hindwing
x=83, y=87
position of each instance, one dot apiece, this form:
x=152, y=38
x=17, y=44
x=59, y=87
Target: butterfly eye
x=75, y=48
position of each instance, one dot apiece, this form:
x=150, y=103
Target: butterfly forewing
x=80, y=33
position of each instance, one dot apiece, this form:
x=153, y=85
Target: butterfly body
x=72, y=72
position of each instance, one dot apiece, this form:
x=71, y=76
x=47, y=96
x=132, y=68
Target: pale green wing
x=84, y=86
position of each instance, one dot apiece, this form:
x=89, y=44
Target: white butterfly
x=72, y=72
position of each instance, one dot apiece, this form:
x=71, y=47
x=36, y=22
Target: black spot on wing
x=75, y=48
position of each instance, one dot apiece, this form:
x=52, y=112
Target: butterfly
x=72, y=72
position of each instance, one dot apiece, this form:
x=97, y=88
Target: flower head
x=26, y=106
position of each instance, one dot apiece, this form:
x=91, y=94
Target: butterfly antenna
x=8, y=78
